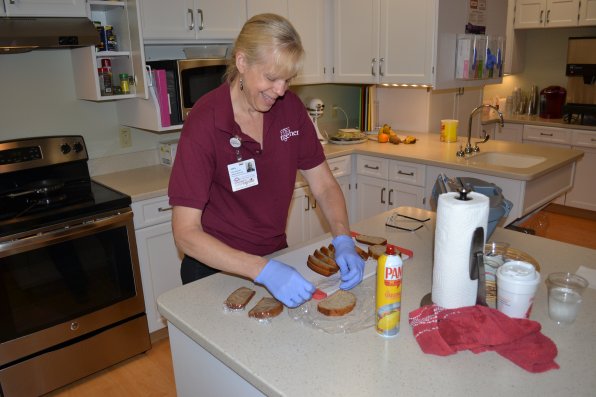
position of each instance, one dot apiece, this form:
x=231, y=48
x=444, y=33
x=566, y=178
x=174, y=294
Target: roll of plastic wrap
x=456, y=222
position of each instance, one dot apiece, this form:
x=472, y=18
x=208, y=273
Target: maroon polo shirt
x=253, y=219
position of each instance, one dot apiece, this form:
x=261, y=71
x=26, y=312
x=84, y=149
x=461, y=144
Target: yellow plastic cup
x=449, y=130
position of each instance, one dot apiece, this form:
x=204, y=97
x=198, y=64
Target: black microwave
x=187, y=80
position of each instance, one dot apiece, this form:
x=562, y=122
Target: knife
x=477, y=265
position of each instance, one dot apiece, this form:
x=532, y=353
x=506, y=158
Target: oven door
x=68, y=282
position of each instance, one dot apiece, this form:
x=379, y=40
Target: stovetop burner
x=45, y=181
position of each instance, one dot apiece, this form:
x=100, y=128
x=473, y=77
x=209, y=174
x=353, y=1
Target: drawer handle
x=383, y=196
x=307, y=203
x=192, y=19
x=405, y=173
x=202, y=25
x=545, y=134
x=541, y=14
x=164, y=209
x=335, y=169
x=372, y=66
x=371, y=168
x=390, y=191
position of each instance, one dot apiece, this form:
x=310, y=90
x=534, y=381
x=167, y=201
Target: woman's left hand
x=351, y=265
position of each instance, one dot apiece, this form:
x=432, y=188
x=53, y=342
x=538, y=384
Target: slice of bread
x=376, y=250
x=371, y=240
x=239, y=298
x=337, y=304
x=322, y=267
x=363, y=254
x=266, y=308
x=326, y=251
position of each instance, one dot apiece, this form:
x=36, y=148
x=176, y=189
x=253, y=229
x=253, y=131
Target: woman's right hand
x=285, y=283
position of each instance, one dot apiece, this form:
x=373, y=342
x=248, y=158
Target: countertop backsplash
x=123, y=162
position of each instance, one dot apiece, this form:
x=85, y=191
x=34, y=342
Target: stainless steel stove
x=71, y=300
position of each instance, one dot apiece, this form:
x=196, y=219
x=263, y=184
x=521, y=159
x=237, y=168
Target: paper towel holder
x=463, y=194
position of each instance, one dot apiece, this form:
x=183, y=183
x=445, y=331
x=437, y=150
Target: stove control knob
x=65, y=148
x=77, y=147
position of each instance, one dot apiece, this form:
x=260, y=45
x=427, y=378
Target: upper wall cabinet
x=384, y=41
x=308, y=17
x=554, y=13
x=44, y=8
x=405, y=41
x=186, y=21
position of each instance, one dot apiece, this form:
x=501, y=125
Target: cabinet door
x=173, y=19
x=583, y=192
x=402, y=194
x=159, y=261
x=509, y=132
x=45, y=8
x=356, y=41
x=219, y=19
x=297, y=227
x=317, y=223
x=587, y=13
x=530, y=14
x=406, y=41
x=254, y=7
x=308, y=17
x=346, y=188
x=372, y=195
x=561, y=13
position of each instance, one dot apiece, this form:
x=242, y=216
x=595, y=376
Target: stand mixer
x=315, y=110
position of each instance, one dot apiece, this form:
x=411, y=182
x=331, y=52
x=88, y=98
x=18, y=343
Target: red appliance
x=552, y=99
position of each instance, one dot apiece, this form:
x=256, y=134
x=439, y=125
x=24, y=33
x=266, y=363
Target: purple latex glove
x=351, y=265
x=285, y=283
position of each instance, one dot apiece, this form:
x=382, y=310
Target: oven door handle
x=65, y=232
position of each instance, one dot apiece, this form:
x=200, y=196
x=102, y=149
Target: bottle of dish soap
x=389, y=283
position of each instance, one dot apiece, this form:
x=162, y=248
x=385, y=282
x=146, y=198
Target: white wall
x=38, y=98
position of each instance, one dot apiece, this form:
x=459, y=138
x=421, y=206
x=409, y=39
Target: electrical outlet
x=125, y=137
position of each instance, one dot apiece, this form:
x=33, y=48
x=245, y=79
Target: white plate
x=348, y=142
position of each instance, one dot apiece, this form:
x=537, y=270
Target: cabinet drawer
x=151, y=212
x=373, y=166
x=584, y=139
x=340, y=166
x=410, y=173
x=547, y=134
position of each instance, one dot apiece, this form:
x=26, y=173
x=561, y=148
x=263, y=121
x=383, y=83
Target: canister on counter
x=449, y=130
x=388, y=299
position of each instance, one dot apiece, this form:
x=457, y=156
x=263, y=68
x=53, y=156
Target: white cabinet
x=384, y=41
x=159, y=258
x=547, y=135
x=305, y=218
x=308, y=18
x=383, y=184
x=123, y=17
x=509, y=132
x=546, y=13
x=583, y=193
x=45, y=8
x=515, y=42
x=191, y=20
x=587, y=13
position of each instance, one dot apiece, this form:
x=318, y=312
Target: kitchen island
x=217, y=353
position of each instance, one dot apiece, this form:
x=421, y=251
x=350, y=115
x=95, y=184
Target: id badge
x=243, y=174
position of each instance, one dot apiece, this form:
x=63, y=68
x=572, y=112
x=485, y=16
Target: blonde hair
x=264, y=35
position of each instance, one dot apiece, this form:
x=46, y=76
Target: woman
x=228, y=218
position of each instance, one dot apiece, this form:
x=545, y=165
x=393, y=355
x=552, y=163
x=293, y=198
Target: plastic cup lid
x=517, y=271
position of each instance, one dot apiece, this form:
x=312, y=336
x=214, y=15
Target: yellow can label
x=388, y=299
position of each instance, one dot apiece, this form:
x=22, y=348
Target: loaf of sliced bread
x=239, y=298
x=266, y=308
x=370, y=240
x=328, y=252
x=322, y=267
x=337, y=304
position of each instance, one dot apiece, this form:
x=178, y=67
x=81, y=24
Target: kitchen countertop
x=290, y=359
x=150, y=182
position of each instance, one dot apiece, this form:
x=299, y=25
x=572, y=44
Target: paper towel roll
x=456, y=222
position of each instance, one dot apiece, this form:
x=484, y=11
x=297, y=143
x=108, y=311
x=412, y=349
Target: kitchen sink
x=512, y=160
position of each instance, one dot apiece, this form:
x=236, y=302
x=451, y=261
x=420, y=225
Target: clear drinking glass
x=565, y=296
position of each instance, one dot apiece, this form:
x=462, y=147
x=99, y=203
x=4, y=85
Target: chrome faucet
x=469, y=149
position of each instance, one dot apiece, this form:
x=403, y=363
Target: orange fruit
x=383, y=138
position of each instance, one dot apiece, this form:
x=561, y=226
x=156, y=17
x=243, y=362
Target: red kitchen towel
x=479, y=328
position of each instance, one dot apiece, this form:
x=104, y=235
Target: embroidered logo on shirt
x=285, y=134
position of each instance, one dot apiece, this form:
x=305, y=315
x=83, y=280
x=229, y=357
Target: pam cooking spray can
x=389, y=278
